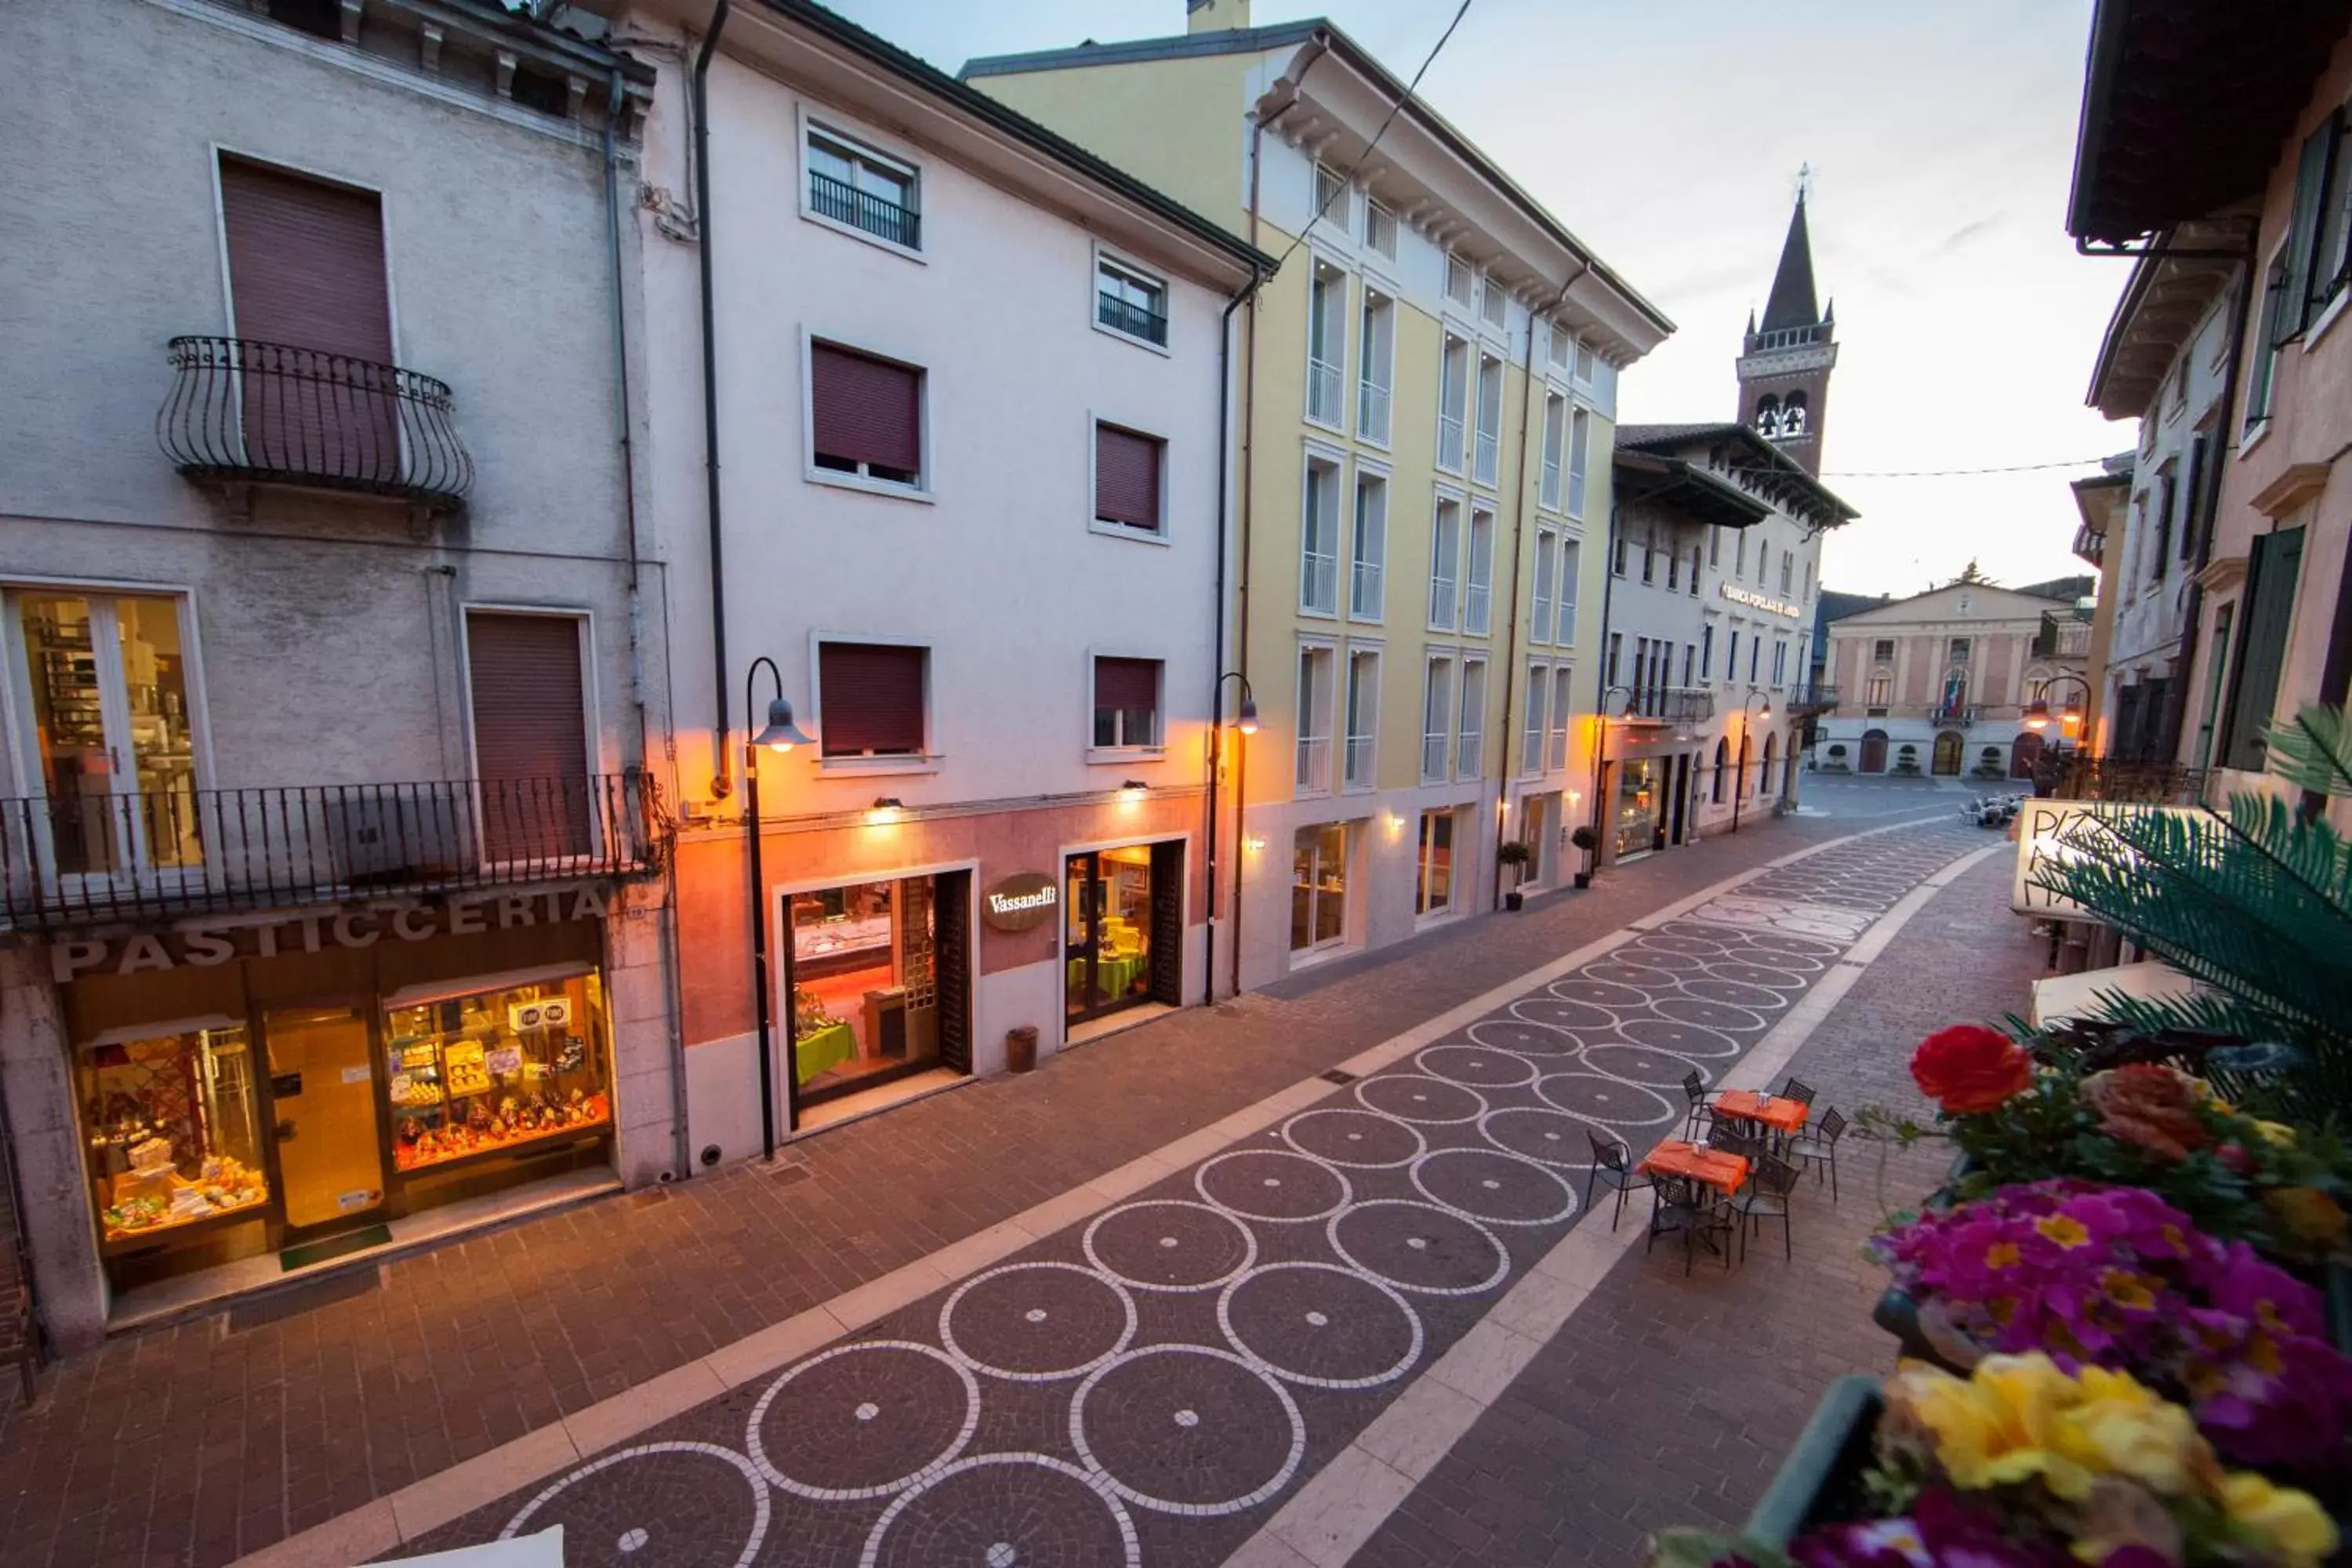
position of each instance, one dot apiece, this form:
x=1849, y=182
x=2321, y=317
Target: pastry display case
x=170, y=1133
x=496, y=1070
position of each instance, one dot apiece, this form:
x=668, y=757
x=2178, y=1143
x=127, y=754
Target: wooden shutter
x=1127, y=477
x=2262, y=648
x=1128, y=683
x=866, y=410
x=872, y=696
x=952, y=948
x=530, y=734
x=2303, y=235
x=2196, y=512
x=1167, y=982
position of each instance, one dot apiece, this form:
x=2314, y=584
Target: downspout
x=1518, y=552
x=722, y=781
x=1217, y=638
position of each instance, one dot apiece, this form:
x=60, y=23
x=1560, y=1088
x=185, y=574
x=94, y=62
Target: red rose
x=1969, y=1068
x=2234, y=1158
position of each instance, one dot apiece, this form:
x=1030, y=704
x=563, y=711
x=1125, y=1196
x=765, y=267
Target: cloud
x=1968, y=231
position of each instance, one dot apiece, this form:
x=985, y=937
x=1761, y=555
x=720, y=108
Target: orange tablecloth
x=1783, y=1115
x=1675, y=1158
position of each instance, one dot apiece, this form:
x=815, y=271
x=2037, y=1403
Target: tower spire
x=1793, y=302
x=1785, y=362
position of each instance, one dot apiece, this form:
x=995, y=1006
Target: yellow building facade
x=1423, y=402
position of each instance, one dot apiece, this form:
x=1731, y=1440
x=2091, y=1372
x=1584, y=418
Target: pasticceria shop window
x=172, y=1134
x=496, y=1073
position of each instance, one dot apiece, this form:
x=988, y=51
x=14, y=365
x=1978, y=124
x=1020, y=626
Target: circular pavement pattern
x=1498, y=1188
x=1549, y=1137
x=1170, y=1244
x=1611, y=1101
x=1419, y=1247
x=1006, y=1511
x=1188, y=1429
x=1480, y=1067
x=1418, y=1098
x=1275, y=1185
x=1320, y=1325
x=682, y=1505
x=1358, y=1139
x=1683, y=1040
x=862, y=1420
x=1037, y=1322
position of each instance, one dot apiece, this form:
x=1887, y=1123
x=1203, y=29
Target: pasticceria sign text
x=205, y=943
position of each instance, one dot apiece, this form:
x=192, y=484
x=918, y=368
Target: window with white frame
x=1326, y=342
x=872, y=700
x=1788, y=564
x=851, y=185
x=1318, y=539
x=1674, y=568
x=1376, y=368
x=1127, y=702
x=1314, y=704
x=1779, y=661
x=1579, y=433
x=1363, y=718
x=866, y=415
x=1616, y=651
x=1714, y=545
x=1490, y=418
x=1380, y=229
x=1739, y=555
x=1571, y=565
x=1331, y=195
x=2275, y=327
x=1707, y=652
x=1128, y=467
x=1539, y=623
x=1693, y=571
x=1453, y=403
x=1367, y=555
x=1584, y=364
x=1470, y=740
x=1555, y=753
x=1460, y=279
x=1562, y=348
x=1436, y=718
x=1478, y=572
x=1531, y=739
x=1445, y=563
x=1493, y=301
x=1555, y=442
x=1130, y=302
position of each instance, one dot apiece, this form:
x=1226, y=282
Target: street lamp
x=2037, y=712
x=780, y=735
x=1739, y=779
x=1246, y=720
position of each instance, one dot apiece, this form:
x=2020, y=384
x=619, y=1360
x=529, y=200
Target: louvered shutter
x=2271, y=574
x=872, y=697
x=1127, y=477
x=530, y=734
x=1129, y=683
x=306, y=282
x=866, y=410
x=2303, y=234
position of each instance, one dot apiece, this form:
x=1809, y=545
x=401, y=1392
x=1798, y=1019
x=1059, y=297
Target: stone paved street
x=1148, y=1386
x=202, y=1442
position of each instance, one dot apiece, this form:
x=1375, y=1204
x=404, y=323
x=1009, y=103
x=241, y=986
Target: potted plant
x=2021, y=1464
x=1837, y=755
x=1585, y=838
x=1906, y=759
x=1514, y=855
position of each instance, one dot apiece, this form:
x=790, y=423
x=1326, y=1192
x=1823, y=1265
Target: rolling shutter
x=866, y=410
x=2271, y=574
x=1129, y=683
x=530, y=734
x=872, y=697
x=1127, y=477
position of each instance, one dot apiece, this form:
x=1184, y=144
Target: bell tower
x=1785, y=362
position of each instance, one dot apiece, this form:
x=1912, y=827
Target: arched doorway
x=1771, y=756
x=2024, y=753
x=1874, y=750
x=1948, y=753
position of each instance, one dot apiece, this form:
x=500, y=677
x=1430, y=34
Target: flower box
x=1822, y=1478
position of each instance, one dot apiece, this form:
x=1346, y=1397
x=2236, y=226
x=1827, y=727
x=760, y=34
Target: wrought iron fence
x=877, y=216
x=71, y=859
x=1812, y=697
x=2072, y=776
x=1323, y=382
x=272, y=412
x=1134, y=320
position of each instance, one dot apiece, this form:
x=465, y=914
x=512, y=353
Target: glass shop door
x=329, y=1131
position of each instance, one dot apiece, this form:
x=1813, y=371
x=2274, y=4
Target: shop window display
x=864, y=983
x=496, y=1070
x=171, y=1132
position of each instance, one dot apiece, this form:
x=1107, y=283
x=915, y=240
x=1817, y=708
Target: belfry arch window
x=1792, y=414
x=1768, y=415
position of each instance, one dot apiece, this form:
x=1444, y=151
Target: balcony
x=1672, y=705
x=2063, y=637
x=1323, y=383
x=877, y=216
x=1952, y=713
x=1127, y=316
x=75, y=860
x=248, y=413
x=1811, y=697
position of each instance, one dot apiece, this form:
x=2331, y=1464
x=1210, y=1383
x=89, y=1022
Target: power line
x=1953, y=473
x=1410, y=87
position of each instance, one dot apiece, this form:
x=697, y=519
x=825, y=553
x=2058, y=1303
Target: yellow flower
x=2019, y=1418
x=2064, y=1230
x=2128, y=1291
x=2308, y=1214
x=2293, y=1528
x=2277, y=1132
x=2120, y=1428
x=2001, y=1255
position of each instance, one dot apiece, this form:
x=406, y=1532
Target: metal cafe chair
x=1818, y=1145
x=1694, y=1088
x=1679, y=1205
x=1766, y=1196
x=1796, y=1089
x=1730, y=1139
x=1612, y=1166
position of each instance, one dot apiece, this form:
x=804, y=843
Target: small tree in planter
x=1585, y=838
x=1906, y=759
x=1517, y=856
x=1836, y=764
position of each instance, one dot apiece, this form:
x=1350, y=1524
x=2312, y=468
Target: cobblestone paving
x=1146, y=1387
x=1687, y=1392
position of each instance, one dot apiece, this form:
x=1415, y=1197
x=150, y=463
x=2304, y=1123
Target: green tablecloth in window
x=829, y=1046
x=1115, y=976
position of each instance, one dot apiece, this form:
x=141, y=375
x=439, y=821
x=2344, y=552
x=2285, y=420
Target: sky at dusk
x=1667, y=134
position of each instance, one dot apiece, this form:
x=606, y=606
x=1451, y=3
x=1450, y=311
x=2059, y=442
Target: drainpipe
x=1518, y=550
x=1217, y=638
x=722, y=781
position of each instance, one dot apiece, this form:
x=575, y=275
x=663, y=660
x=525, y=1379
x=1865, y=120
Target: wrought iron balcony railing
x=1953, y=713
x=1672, y=705
x=1812, y=697
x=248, y=412
x=1134, y=320
x=72, y=860
x=2063, y=638
x=877, y=216
x=2072, y=776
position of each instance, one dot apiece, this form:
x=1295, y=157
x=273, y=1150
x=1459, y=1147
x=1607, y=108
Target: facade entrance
x=1948, y=753
x=1106, y=948
x=1873, y=751
x=330, y=1143
x=877, y=982
x=1318, y=886
x=1634, y=825
x=2024, y=754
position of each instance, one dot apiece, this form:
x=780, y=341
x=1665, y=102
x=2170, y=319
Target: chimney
x=1215, y=16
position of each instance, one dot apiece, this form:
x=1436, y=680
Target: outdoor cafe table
x=1713, y=1166
x=1782, y=1114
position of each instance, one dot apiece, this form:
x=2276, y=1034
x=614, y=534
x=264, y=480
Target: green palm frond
x=2315, y=750
x=2310, y=1094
